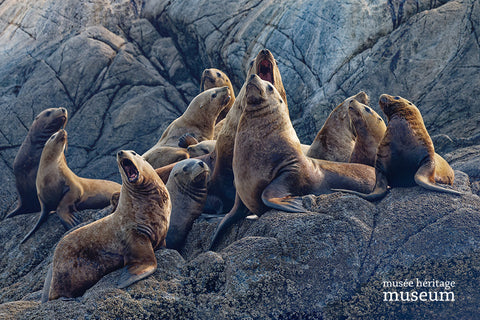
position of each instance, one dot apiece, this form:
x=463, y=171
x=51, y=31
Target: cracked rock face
x=126, y=69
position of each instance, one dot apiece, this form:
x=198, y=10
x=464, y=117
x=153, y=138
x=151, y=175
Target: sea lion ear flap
x=277, y=196
x=362, y=97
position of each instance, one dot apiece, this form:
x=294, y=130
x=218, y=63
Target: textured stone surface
x=126, y=69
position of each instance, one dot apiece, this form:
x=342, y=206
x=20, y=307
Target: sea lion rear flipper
x=238, y=212
x=379, y=192
x=422, y=179
x=186, y=140
x=277, y=196
x=140, y=263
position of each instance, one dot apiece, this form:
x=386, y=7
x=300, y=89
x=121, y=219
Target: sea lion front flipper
x=140, y=263
x=422, y=179
x=41, y=219
x=114, y=200
x=66, y=207
x=238, y=212
x=277, y=196
x=186, y=140
x=46, y=284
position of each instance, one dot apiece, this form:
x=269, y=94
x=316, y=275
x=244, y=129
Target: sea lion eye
x=218, y=74
x=185, y=169
x=134, y=153
x=48, y=113
x=270, y=88
x=368, y=110
x=397, y=98
x=214, y=95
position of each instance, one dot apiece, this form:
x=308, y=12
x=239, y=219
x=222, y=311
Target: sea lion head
x=48, y=122
x=365, y=120
x=191, y=173
x=393, y=104
x=134, y=169
x=260, y=92
x=55, y=146
x=266, y=67
x=211, y=101
x=213, y=78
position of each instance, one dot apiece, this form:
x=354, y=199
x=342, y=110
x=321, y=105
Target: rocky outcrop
x=279, y=266
x=126, y=69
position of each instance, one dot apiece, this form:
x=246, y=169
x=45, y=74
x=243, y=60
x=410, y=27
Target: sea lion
x=187, y=186
x=25, y=165
x=336, y=139
x=270, y=169
x=198, y=120
x=214, y=78
x=406, y=155
x=221, y=182
x=195, y=148
x=370, y=129
x=127, y=237
x=61, y=190
x=201, y=148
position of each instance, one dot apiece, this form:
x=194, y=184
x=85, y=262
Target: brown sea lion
x=61, y=190
x=187, y=186
x=221, y=182
x=198, y=120
x=369, y=128
x=25, y=165
x=214, y=78
x=336, y=139
x=201, y=148
x=405, y=156
x=126, y=238
x=270, y=169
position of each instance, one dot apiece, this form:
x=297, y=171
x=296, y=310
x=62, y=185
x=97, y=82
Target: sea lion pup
x=369, y=128
x=195, y=148
x=405, y=156
x=187, y=186
x=201, y=148
x=127, y=237
x=214, y=78
x=25, y=165
x=270, y=168
x=198, y=120
x=61, y=190
x=336, y=139
x=221, y=182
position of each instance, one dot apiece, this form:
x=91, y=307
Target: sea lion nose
x=63, y=110
x=264, y=51
x=252, y=76
x=202, y=164
x=120, y=153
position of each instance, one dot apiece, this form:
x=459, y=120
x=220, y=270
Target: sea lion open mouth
x=265, y=71
x=130, y=170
